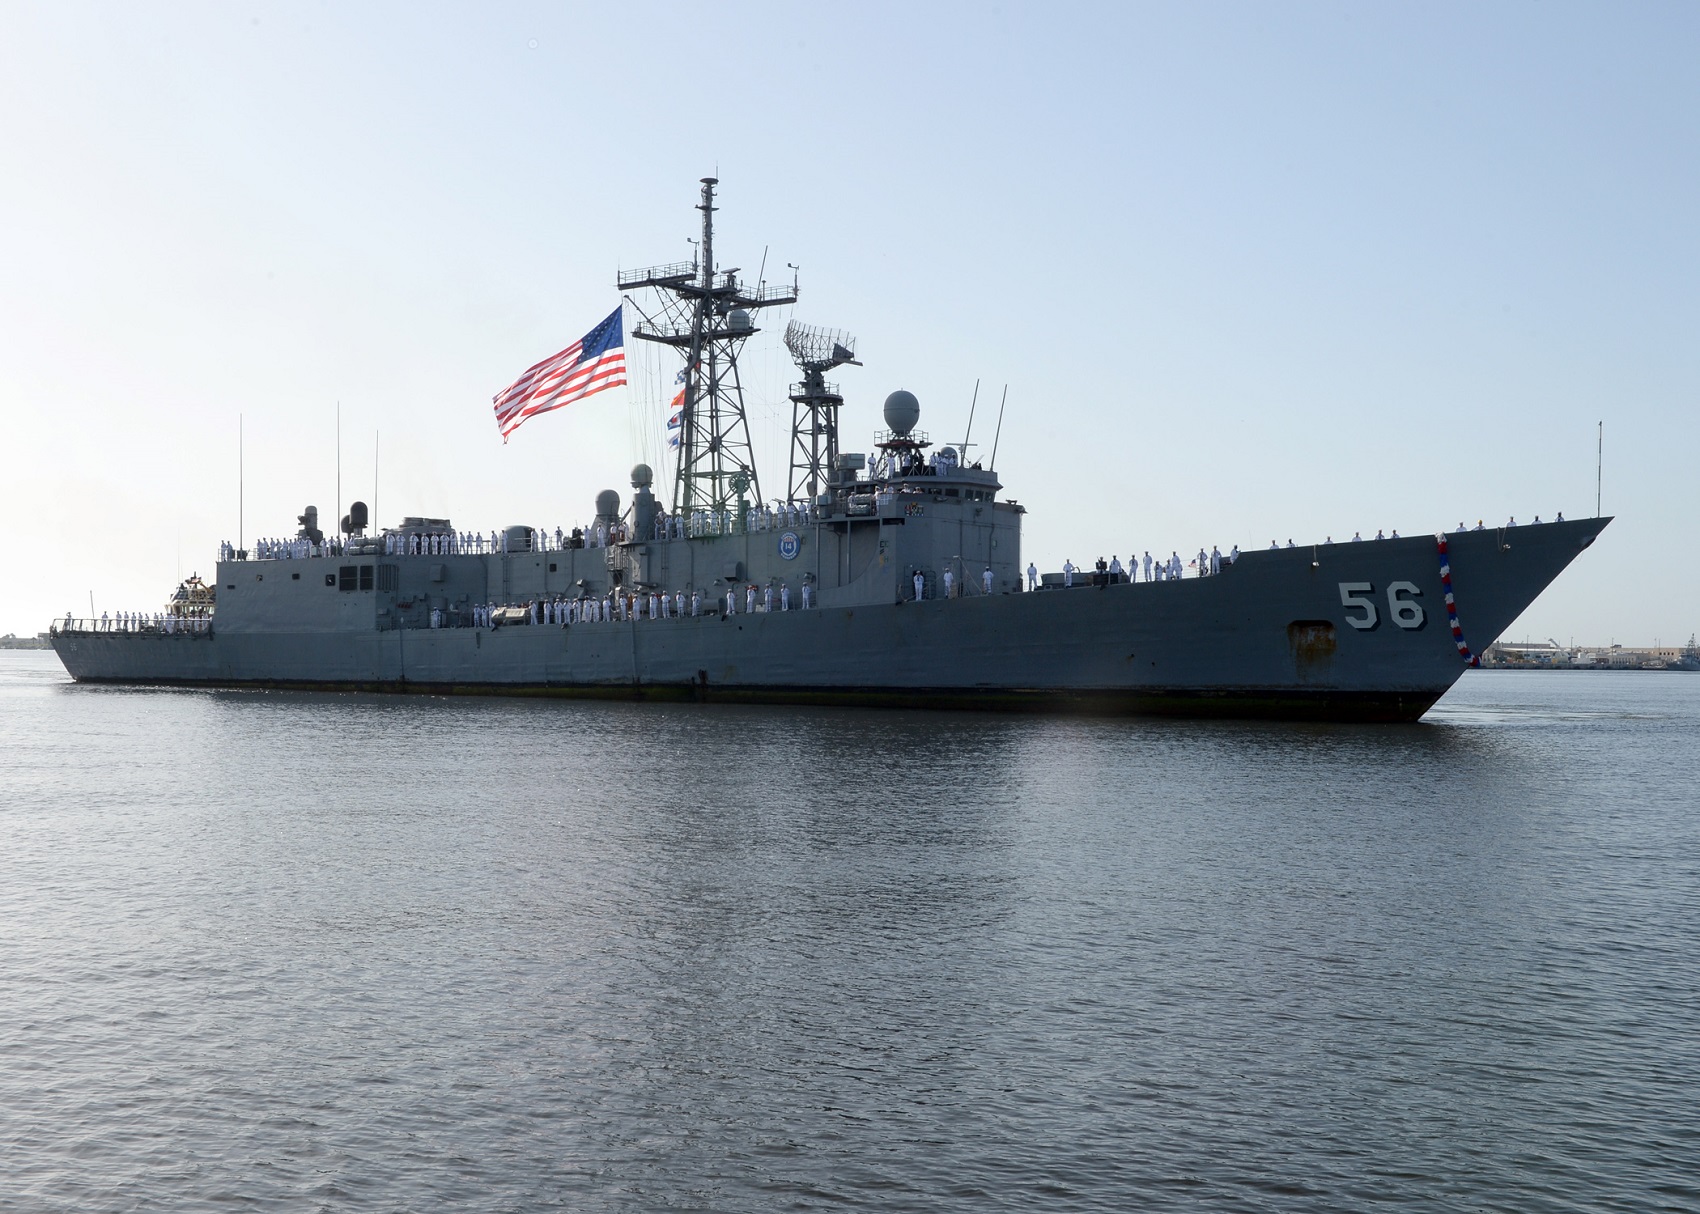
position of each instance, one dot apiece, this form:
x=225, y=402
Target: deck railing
x=136, y=626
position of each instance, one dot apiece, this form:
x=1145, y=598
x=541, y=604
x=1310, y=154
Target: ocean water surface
x=281, y=951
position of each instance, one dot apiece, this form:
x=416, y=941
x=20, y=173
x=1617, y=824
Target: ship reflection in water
x=309, y=950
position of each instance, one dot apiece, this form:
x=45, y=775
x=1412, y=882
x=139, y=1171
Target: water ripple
x=339, y=952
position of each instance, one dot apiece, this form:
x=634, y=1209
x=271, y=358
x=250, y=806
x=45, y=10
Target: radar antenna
x=815, y=404
x=705, y=315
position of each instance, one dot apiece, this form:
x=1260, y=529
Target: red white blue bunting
x=1451, y=606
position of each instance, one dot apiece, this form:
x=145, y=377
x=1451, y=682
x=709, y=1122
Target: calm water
x=311, y=952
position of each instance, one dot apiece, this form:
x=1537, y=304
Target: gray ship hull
x=1355, y=631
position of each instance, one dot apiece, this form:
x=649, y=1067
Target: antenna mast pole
x=1599, y=466
x=999, y=432
x=241, y=489
x=970, y=432
x=705, y=315
x=337, y=526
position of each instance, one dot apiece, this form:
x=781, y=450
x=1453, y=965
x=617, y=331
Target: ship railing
x=764, y=295
x=656, y=331
x=828, y=391
x=283, y=552
x=656, y=276
x=167, y=626
x=710, y=524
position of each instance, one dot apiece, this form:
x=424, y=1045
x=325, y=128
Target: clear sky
x=1250, y=271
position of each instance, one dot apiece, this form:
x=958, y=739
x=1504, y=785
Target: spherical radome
x=642, y=477
x=902, y=411
x=608, y=504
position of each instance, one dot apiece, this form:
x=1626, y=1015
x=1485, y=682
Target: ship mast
x=814, y=406
x=705, y=315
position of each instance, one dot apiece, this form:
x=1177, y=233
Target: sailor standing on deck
x=1068, y=572
x=1148, y=565
x=986, y=579
x=1032, y=576
x=1115, y=567
x=949, y=580
x=920, y=585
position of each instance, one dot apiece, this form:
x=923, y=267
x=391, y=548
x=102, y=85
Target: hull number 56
x=1402, y=608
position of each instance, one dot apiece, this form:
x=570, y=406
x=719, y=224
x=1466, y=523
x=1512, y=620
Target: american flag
x=593, y=362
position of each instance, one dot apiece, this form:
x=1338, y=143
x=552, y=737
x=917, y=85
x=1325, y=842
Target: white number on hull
x=1352, y=595
x=1401, y=607
x=1405, y=613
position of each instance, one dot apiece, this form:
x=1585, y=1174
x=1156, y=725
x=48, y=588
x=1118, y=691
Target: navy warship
x=891, y=576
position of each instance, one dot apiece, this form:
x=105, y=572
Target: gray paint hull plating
x=1270, y=636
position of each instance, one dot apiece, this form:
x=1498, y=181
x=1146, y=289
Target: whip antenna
x=999, y=432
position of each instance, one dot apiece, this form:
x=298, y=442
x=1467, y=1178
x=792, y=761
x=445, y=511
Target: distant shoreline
x=1594, y=669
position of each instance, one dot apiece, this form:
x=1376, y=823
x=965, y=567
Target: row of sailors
x=656, y=605
x=1357, y=536
x=949, y=579
x=447, y=543
x=469, y=543
x=299, y=548
x=725, y=522
x=136, y=621
x=268, y=549
x=1159, y=570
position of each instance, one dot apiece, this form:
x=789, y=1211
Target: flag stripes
x=594, y=362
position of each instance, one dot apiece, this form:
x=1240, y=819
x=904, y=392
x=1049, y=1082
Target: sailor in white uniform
x=1032, y=576
x=986, y=579
x=949, y=580
x=920, y=585
x=1068, y=572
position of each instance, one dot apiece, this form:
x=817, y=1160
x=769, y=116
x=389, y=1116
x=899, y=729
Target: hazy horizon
x=1248, y=273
